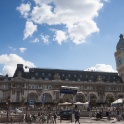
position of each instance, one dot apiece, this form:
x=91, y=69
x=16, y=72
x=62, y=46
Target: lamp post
x=43, y=102
x=27, y=89
x=7, y=112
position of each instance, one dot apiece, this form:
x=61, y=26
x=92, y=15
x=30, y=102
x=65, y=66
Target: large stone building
x=97, y=87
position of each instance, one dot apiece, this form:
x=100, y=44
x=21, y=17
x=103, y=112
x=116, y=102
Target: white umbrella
x=78, y=103
x=65, y=103
x=86, y=103
x=118, y=101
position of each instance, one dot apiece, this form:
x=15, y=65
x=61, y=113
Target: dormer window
x=78, y=80
x=36, y=74
x=90, y=80
x=33, y=78
x=46, y=79
x=66, y=79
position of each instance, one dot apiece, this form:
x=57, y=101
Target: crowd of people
x=117, y=113
x=52, y=116
x=39, y=117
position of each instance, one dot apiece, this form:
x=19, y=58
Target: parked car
x=65, y=114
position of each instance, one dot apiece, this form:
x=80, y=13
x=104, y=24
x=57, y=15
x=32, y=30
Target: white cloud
x=30, y=28
x=101, y=68
x=60, y=36
x=12, y=48
x=10, y=62
x=22, y=49
x=24, y=9
x=45, y=38
x=77, y=17
x=106, y=0
x=36, y=40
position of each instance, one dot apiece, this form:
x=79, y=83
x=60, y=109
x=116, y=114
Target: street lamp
x=7, y=112
x=26, y=67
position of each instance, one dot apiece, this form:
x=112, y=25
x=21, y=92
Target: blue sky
x=76, y=35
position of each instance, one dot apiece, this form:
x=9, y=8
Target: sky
x=59, y=34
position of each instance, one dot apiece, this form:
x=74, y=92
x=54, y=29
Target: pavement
x=86, y=120
x=83, y=120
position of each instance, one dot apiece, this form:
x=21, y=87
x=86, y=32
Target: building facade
x=43, y=85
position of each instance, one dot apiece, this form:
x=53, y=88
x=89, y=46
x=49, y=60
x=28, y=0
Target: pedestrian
x=77, y=116
x=109, y=115
x=24, y=117
x=49, y=117
x=118, y=114
x=54, y=117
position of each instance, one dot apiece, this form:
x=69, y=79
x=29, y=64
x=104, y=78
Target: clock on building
x=119, y=61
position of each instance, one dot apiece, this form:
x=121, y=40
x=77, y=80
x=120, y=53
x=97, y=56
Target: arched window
x=80, y=97
x=32, y=97
x=47, y=97
x=120, y=96
x=67, y=98
x=109, y=99
x=92, y=99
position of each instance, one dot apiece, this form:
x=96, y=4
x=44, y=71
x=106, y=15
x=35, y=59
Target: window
x=36, y=74
x=81, y=87
x=4, y=86
x=32, y=87
x=13, y=85
x=49, y=87
x=42, y=87
x=90, y=80
x=37, y=87
x=22, y=91
x=46, y=79
x=78, y=80
x=13, y=91
x=66, y=79
x=33, y=78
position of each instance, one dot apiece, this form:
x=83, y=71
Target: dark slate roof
x=71, y=75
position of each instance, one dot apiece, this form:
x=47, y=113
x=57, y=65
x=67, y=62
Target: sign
x=68, y=91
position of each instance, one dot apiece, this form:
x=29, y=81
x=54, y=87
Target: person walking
x=77, y=116
x=54, y=117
